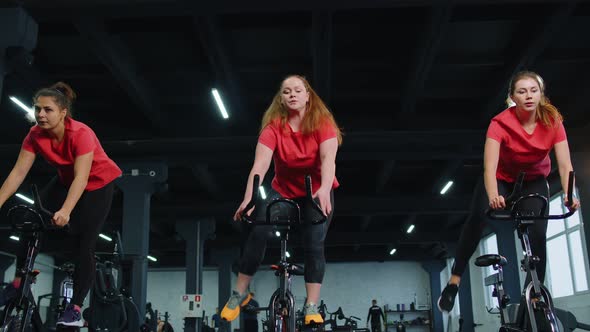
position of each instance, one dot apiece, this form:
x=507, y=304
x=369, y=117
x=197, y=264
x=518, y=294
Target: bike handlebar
x=38, y=204
x=26, y=218
x=515, y=198
x=309, y=197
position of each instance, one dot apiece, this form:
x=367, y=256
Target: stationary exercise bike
x=540, y=314
x=22, y=314
x=350, y=322
x=281, y=307
x=111, y=308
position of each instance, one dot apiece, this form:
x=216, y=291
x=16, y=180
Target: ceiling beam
x=364, y=225
x=206, y=180
x=383, y=178
x=527, y=56
x=447, y=174
x=226, y=82
x=384, y=175
x=116, y=57
x=440, y=15
x=377, y=146
x=321, y=47
x=64, y=9
x=386, y=205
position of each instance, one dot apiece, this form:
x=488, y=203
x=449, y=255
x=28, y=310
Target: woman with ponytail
x=518, y=139
x=81, y=194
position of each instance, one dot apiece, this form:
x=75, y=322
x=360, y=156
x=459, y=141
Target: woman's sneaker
x=312, y=314
x=231, y=310
x=446, y=301
x=71, y=317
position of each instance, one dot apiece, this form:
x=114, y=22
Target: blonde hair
x=546, y=112
x=316, y=115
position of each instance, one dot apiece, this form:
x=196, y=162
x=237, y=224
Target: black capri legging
x=313, y=239
x=473, y=227
x=86, y=221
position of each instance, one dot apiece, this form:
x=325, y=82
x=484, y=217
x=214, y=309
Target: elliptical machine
x=111, y=309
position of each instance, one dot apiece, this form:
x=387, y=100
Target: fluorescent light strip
x=25, y=198
x=262, y=192
x=446, y=187
x=22, y=105
x=220, y=104
x=151, y=258
x=15, y=238
x=287, y=254
x=392, y=251
x=105, y=237
x=278, y=234
x=410, y=229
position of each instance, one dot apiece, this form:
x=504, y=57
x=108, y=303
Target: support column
x=195, y=232
x=225, y=258
x=507, y=247
x=465, y=301
x=138, y=182
x=17, y=30
x=434, y=269
x=3, y=69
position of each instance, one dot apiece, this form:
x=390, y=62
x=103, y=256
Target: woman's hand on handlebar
x=61, y=218
x=323, y=196
x=497, y=202
x=240, y=211
x=574, y=206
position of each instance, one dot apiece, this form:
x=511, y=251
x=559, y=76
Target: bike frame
x=535, y=294
x=282, y=299
x=24, y=308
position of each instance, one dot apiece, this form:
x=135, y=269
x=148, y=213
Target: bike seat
x=489, y=260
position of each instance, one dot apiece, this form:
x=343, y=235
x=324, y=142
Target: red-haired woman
x=300, y=135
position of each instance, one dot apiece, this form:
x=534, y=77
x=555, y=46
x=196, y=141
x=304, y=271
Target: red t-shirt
x=78, y=140
x=295, y=156
x=521, y=151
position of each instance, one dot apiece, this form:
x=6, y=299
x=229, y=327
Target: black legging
x=313, y=239
x=473, y=227
x=86, y=221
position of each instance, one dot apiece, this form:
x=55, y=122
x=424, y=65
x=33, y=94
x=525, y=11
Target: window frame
x=567, y=230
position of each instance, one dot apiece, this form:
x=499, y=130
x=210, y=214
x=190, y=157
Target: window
x=489, y=245
x=565, y=252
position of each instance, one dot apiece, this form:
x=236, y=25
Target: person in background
x=374, y=317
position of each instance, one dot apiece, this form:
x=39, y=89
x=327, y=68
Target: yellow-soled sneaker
x=312, y=314
x=231, y=310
